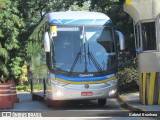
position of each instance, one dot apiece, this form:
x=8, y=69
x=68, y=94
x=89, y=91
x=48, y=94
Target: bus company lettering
x=85, y=75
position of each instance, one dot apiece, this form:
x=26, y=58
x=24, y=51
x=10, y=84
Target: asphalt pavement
x=126, y=107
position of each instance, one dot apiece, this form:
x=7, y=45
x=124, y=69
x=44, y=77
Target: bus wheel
x=102, y=102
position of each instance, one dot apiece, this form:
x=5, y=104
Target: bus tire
x=102, y=102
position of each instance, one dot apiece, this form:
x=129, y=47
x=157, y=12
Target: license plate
x=86, y=93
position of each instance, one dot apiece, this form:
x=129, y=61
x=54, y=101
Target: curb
x=129, y=106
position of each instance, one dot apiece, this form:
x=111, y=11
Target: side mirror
x=121, y=40
x=46, y=42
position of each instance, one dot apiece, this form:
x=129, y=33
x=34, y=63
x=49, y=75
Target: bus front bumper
x=81, y=92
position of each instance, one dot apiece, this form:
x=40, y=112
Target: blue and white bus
x=80, y=57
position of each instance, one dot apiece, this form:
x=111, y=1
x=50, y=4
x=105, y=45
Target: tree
x=121, y=20
x=10, y=24
x=3, y=60
x=76, y=7
x=23, y=76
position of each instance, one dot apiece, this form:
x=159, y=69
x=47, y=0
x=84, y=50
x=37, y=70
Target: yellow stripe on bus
x=140, y=86
x=128, y=2
x=144, y=88
x=151, y=88
x=92, y=82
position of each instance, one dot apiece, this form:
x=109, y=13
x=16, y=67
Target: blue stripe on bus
x=80, y=21
x=85, y=78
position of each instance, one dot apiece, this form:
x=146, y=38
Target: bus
x=77, y=59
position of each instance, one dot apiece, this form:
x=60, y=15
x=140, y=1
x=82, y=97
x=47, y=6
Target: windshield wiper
x=85, y=58
x=91, y=57
x=75, y=61
x=79, y=54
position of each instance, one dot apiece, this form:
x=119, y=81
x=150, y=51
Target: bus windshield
x=83, y=49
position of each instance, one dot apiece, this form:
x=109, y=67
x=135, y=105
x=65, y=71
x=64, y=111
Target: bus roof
x=77, y=17
x=73, y=18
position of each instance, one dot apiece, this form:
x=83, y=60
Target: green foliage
x=75, y=7
x=23, y=76
x=1, y=35
x=10, y=24
x=38, y=86
x=27, y=87
x=15, y=66
x=128, y=78
x=128, y=74
x=3, y=54
x=33, y=48
x=21, y=88
x=2, y=4
x=3, y=69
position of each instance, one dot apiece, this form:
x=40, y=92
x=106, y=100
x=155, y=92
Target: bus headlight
x=59, y=93
x=112, y=92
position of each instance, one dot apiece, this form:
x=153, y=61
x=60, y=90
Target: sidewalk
x=131, y=100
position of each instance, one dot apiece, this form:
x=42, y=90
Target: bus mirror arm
x=46, y=42
x=121, y=40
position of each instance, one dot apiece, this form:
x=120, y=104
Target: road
x=89, y=109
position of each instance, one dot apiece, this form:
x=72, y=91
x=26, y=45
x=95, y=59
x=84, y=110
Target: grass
x=36, y=87
x=23, y=88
